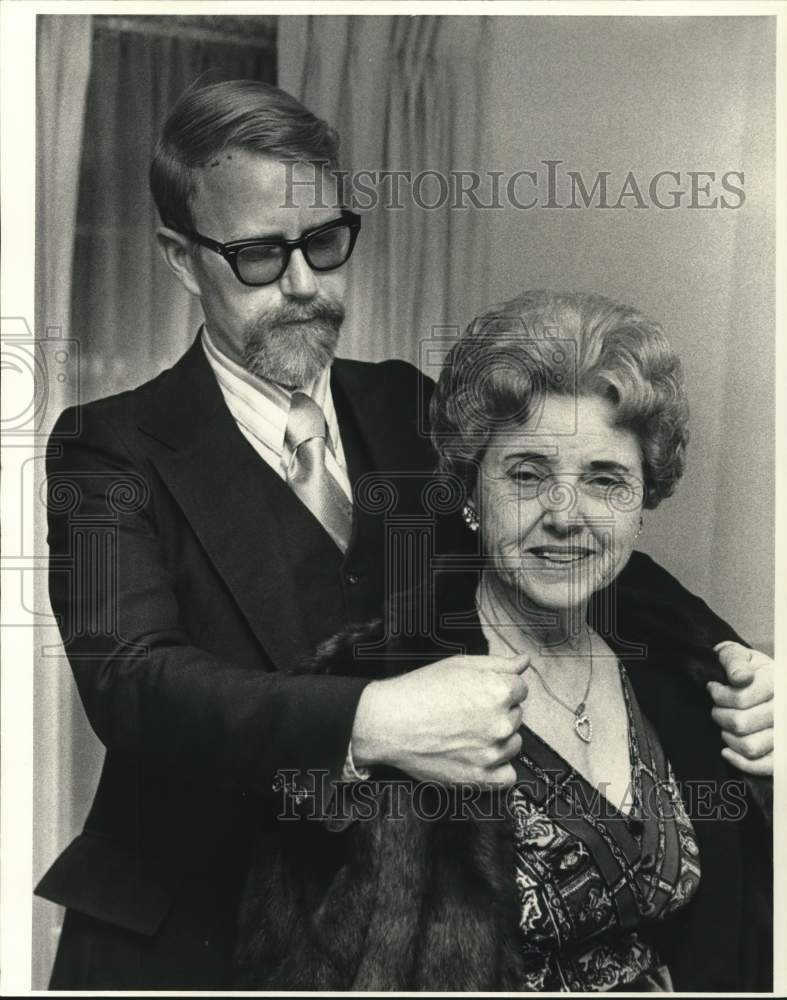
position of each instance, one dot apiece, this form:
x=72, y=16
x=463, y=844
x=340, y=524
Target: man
x=210, y=528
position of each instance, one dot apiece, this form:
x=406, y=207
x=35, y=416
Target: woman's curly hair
x=566, y=343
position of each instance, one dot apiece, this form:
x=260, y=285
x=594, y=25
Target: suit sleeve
x=152, y=696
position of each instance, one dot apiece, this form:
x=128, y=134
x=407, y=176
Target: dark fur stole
x=392, y=902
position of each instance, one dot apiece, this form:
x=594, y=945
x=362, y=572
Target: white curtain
x=63, y=66
x=405, y=93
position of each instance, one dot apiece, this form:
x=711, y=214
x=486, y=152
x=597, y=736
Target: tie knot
x=306, y=421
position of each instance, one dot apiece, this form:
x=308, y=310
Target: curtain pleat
x=406, y=94
x=133, y=318
x=62, y=68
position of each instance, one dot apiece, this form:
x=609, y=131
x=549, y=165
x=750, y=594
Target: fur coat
x=395, y=902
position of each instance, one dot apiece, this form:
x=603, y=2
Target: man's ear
x=176, y=249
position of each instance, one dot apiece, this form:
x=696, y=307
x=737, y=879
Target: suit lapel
x=237, y=506
x=232, y=499
x=388, y=433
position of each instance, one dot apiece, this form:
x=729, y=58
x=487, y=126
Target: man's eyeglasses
x=263, y=261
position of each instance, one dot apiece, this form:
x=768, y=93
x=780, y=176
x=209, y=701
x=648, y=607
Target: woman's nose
x=561, y=502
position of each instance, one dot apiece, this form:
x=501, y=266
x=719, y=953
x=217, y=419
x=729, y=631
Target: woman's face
x=559, y=500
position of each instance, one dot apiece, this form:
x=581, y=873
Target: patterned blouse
x=591, y=878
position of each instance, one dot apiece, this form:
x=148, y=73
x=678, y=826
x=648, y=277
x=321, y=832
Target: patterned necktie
x=307, y=475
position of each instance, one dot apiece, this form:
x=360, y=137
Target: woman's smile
x=560, y=555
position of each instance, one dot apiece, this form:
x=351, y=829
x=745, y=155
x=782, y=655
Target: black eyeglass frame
x=230, y=251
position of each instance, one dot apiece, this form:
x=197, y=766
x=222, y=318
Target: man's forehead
x=250, y=194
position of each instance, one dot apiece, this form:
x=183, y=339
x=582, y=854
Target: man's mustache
x=318, y=311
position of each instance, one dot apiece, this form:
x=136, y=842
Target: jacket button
x=352, y=578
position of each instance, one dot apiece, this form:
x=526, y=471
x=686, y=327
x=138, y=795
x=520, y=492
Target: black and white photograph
x=393, y=565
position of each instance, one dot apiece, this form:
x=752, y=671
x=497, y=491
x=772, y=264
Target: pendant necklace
x=583, y=726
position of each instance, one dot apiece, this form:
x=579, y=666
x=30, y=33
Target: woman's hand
x=743, y=708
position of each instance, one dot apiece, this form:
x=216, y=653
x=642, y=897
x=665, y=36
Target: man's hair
x=570, y=344
x=235, y=114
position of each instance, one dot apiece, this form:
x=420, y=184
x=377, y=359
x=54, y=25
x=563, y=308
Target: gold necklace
x=583, y=725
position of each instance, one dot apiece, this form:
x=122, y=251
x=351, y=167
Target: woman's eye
x=606, y=482
x=525, y=475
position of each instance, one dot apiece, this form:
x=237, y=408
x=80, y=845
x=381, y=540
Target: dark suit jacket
x=188, y=581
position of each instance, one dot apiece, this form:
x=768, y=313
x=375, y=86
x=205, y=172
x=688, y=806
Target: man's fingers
x=503, y=775
x=759, y=690
x=515, y=717
x=519, y=690
x=762, y=766
x=504, y=750
x=730, y=648
x=751, y=747
x=736, y=661
x=742, y=722
x=509, y=664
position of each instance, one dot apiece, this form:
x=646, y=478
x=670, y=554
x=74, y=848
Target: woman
x=628, y=854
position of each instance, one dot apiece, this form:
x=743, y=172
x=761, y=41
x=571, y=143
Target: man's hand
x=453, y=721
x=744, y=707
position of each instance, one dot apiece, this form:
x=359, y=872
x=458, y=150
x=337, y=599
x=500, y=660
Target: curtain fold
x=406, y=94
x=132, y=316
x=62, y=67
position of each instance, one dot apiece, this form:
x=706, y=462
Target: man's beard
x=292, y=345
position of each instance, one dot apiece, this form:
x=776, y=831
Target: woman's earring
x=470, y=515
x=639, y=529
